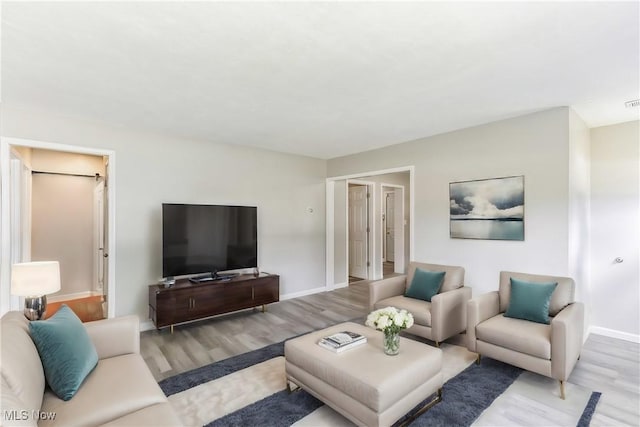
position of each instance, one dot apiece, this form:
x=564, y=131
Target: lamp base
x=35, y=307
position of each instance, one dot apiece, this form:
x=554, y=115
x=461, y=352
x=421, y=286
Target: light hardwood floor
x=199, y=343
x=607, y=365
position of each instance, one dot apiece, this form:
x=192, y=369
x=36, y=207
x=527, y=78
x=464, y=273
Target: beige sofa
x=443, y=317
x=551, y=350
x=120, y=391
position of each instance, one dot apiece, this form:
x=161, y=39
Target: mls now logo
x=16, y=415
x=25, y=415
x=44, y=416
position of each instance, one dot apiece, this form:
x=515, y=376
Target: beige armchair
x=551, y=350
x=443, y=317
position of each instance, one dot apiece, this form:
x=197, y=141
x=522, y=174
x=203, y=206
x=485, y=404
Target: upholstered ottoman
x=364, y=384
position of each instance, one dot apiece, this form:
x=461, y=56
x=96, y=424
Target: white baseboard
x=340, y=285
x=303, y=293
x=313, y=291
x=612, y=333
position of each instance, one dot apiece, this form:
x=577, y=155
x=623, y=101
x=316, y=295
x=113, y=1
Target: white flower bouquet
x=389, y=320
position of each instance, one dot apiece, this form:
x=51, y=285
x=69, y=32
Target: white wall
x=61, y=162
x=62, y=228
x=579, y=209
x=534, y=145
x=152, y=169
x=615, y=211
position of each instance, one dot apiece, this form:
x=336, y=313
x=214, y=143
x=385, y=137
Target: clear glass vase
x=391, y=343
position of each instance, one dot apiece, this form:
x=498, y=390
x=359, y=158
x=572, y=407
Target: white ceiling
x=319, y=79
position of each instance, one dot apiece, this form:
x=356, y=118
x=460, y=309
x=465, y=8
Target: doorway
x=65, y=202
x=393, y=225
x=67, y=210
x=387, y=225
x=397, y=181
x=388, y=232
x=359, y=231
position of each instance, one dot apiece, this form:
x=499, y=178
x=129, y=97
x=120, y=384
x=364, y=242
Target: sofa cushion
x=518, y=335
x=425, y=284
x=22, y=373
x=530, y=300
x=421, y=310
x=66, y=351
x=14, y=412
x=117, y=387
x=453, y=278
x=562, y=296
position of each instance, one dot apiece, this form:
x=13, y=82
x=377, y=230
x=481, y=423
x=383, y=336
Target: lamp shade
x=35, y=278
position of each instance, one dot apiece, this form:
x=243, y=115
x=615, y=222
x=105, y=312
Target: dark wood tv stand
x=185, y=301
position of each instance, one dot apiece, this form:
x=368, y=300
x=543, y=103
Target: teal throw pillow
x=530, y=300
x=66, y=351
x=425, y=284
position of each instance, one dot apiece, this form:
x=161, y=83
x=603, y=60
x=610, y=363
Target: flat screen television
x=208, y=238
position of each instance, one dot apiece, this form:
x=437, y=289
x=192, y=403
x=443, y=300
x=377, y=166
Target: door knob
x=618, y=260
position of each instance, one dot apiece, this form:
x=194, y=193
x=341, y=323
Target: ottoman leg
x=291, y=386
x=436, y=399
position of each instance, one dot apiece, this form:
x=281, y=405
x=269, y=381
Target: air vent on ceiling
x=634, y=103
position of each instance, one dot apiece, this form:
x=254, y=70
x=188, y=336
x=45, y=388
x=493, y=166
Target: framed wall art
x=491, y=209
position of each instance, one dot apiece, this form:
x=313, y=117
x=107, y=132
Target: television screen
x=208, y=238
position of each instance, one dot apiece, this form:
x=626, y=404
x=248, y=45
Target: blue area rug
x=465, y=396
x=585, y=419
x=204, y=374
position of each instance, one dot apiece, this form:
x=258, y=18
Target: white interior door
x=98, y=237
x=389, y=225
x=358, y=231
x=398, y=230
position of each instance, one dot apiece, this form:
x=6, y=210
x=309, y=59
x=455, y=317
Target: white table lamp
x=33, y=281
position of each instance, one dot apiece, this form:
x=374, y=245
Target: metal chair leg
x=562, y=393
x=478, y=359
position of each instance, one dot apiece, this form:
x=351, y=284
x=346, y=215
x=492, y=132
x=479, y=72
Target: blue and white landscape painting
x=487, y=209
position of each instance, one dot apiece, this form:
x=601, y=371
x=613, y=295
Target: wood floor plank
x=607, y=365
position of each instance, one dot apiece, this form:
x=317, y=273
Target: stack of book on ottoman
x=342, y=341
